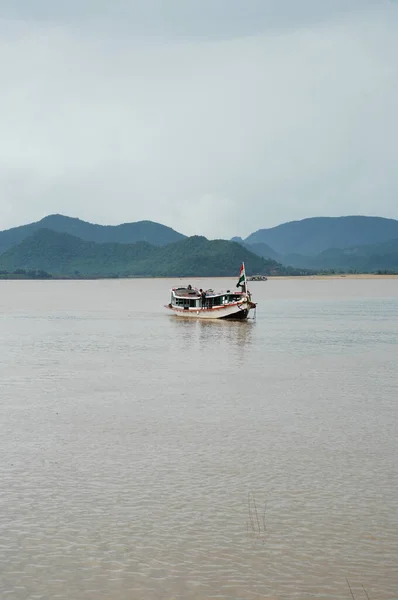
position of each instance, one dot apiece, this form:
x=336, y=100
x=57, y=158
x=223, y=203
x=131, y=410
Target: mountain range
x=65, y=246
x=353, y=243
x=126, y=233
x=62, y=254
x=311, y=236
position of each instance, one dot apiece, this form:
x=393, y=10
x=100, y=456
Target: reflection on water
x=234, y=335
x=139, y=450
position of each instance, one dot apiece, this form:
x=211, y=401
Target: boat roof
x=192, y=292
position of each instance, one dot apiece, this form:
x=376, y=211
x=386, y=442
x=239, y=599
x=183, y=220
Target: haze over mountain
x=314, y=235
x=362, y=259
x=364, y=244
x=258, y=248
x=321, y=243
x=126, y=233
x=64, y=254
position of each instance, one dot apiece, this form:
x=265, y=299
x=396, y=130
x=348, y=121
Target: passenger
x=203, y=297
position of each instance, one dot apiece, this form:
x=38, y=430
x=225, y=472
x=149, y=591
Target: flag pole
x=244, y=271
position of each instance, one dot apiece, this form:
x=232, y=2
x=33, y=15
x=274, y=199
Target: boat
x=197, y=303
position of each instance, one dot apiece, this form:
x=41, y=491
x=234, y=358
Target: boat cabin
x=189, y=297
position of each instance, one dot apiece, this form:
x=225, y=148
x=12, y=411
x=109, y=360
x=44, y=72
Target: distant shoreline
x=194, y=277
x=338, y=276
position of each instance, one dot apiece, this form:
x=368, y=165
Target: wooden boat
x=197, y=303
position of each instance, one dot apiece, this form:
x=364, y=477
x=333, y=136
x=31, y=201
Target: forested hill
x=312, y=236
x=126, y=233
x=63, y=254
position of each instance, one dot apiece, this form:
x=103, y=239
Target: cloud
x=208, y=125
x=215, y=18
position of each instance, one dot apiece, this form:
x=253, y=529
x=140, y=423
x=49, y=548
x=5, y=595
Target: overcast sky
x=216, y=117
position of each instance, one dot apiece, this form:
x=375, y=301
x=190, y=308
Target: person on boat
x=203, y=297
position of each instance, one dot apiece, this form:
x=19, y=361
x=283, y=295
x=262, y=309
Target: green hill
x=65, y=255
x=127, y=233
x=363, y=259
x=61, y=245
x=198, y=256
x=260, y=249
x=312, y=236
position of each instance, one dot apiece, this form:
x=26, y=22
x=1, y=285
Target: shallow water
x=143, y=456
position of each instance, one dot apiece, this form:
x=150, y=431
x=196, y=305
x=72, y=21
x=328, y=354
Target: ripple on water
x=155, y=459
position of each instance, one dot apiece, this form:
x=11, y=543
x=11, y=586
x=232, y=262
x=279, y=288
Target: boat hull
x=232, y=312
x=240, y=316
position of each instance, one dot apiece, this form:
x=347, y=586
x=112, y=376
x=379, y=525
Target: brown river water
x=143, y=456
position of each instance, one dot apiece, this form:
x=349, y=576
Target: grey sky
x=216, y=117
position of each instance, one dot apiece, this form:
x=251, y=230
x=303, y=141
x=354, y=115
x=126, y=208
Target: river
x=145, y=456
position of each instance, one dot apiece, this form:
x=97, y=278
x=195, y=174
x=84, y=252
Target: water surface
x=143, y=456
